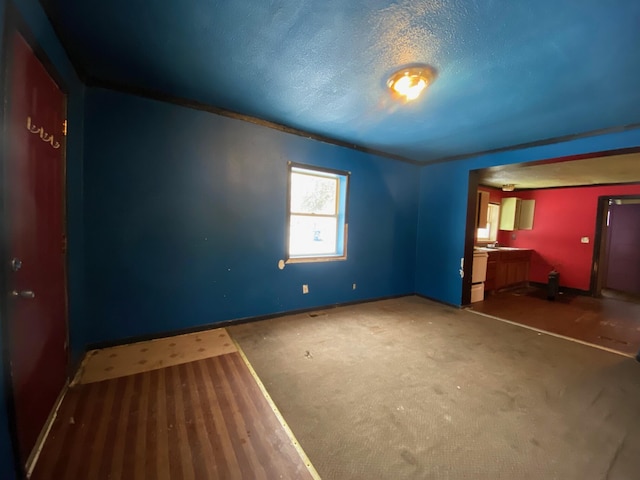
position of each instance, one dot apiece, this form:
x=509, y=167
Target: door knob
x=23, y=294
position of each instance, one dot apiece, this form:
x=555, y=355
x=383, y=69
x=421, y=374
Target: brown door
x=34, y=199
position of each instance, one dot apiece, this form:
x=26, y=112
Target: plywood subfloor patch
x=115, y=362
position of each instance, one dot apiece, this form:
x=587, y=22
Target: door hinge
x=64, y=128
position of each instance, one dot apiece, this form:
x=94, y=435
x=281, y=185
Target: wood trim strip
x=46, y=429
x=546, y=332
x=205, y=107
x=274, y=408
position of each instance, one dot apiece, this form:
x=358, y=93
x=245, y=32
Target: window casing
x=317, y=214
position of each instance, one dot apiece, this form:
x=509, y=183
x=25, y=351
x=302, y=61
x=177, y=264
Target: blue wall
x=40, y=28
x=185, y=220
x=443, y=208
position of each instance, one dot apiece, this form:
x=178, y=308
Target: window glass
x=313, y=194
x=313, y=236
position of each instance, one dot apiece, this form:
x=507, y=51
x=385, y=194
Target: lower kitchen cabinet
x=492, y=270
x=507, y=268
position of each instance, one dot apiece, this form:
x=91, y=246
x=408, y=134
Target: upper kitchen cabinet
x=516, y=214
x=482, y=209
x=527, y=208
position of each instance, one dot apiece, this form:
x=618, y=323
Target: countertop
x=501, y=249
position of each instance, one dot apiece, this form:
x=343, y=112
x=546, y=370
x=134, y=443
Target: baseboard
x=569, y=290
x=431, y=299
x=237, y=321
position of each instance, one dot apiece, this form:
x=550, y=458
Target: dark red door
x=34, y=189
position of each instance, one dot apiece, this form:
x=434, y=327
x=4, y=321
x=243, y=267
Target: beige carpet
x=408, y=388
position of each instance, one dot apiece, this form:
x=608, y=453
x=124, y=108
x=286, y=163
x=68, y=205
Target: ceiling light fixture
x=508, y=187
x=408, y=83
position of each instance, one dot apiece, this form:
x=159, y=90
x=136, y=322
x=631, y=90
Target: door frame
x=599, y=263
x=475, y=176
x=14, y=22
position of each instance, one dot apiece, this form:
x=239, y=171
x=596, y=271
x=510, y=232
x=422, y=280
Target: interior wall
x=40, y=30
x=443, y=207
x=562, y=217
x=185, y=220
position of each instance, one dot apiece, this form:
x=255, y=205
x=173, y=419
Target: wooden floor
x=608, y=322
x=206, y=419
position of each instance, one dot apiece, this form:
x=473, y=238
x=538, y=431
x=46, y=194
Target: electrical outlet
x=305, y=289
x=353, y=286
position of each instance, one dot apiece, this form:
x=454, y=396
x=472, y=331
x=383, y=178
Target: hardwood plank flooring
x=206, y=419
x=608, y=322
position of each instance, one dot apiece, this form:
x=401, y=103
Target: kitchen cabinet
x=527, y=208
x=482, y=209
x=492, y=267
x=507, y=268
x=516, y=214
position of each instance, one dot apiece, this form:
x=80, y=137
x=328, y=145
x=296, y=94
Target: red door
x=34, y=189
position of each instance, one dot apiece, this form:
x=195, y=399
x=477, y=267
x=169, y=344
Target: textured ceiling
x=510, y=72
x=589, y=171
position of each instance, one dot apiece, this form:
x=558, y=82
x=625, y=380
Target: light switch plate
x=584, y=240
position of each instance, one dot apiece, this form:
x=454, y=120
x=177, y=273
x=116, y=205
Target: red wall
x=562, y=216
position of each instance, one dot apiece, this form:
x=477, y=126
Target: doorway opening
x=574, y=197
x=616, y=258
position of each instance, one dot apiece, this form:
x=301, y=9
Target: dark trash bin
x=553, y=285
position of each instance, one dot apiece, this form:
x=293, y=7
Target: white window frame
x=342, y=194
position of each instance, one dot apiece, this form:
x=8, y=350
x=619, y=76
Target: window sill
x=316, y=259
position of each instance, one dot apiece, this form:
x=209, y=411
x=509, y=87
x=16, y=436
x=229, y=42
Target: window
x=489, y=233
x=317, y=207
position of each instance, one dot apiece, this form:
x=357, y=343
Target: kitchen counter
x=502, y=249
